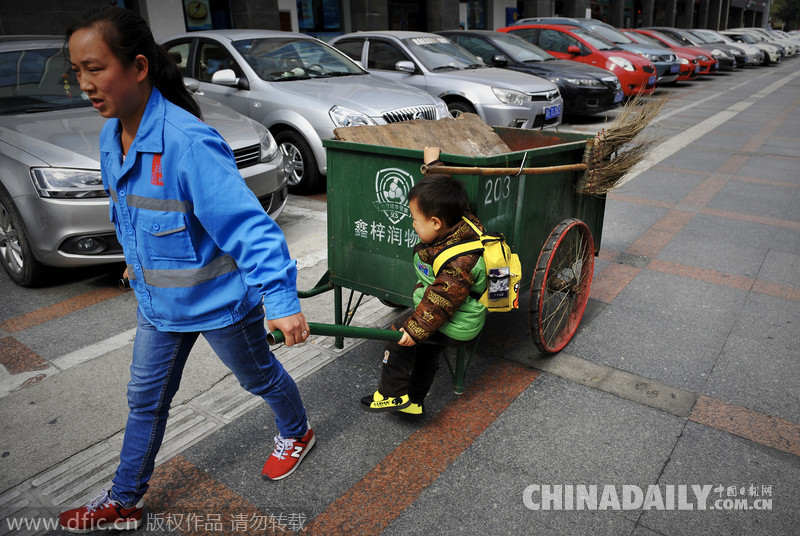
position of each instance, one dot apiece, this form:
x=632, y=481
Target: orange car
x=636, y=74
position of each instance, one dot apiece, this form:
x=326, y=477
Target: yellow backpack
x=503, y=269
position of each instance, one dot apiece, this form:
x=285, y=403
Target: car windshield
x=682, y=39
x=38, y=80
x=698, y=37
x=746, y=38
x=644, y=39
x=521, y=50
x=664, y=38
x=439, y=54
x=612, y=34
x=707, y=36
x=598, y=42
x=282, y=59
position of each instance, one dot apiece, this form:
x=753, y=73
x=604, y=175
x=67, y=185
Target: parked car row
x=274, y=96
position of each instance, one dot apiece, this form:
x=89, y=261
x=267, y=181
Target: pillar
x=665, y=13
x=368, y=15
x=442, y=15
x=258, y=14
x=538, y=8
x=616, y=16
x=648, y=14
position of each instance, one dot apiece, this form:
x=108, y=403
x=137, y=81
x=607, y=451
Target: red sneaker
x=102, y=513
x=288, y=454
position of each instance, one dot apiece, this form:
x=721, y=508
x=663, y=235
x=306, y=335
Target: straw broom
x=615, y=150
x=607, y=157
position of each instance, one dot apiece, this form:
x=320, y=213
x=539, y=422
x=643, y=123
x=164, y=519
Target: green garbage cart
x=554, y=229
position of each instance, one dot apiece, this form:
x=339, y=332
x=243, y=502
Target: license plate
x=618, y=97
x=674, y=69
x=697, y=69
x=552, y=111
x=651, y=80
x=716, y=65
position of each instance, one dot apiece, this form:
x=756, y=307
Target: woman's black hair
x=441, y=196
x=127, y=35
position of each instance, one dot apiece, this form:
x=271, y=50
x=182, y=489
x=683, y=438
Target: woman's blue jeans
x=158, y=361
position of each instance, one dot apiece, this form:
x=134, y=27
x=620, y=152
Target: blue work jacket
x=200, y=249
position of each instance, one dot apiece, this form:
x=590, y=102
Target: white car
x=772, y=53
x=752, y=55
x=436, y=64
x=789, y=45
x=300, y=88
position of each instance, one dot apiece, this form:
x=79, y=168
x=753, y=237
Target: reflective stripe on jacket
x=200, y=249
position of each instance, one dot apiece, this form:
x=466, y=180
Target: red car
x=636, y=74
x=706, y=62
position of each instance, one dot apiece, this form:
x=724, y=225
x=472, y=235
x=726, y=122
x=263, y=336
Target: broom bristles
x=614, y=153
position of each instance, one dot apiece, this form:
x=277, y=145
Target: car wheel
x=15, y=251
x=460, y=107
x=304, y=175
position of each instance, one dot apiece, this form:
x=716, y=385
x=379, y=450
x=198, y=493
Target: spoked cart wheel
x=560, y=285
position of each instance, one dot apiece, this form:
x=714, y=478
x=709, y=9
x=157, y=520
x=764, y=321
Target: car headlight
x=269, y=149
x=510, y=96
x=345, y=117
x=621, y=62
x=703, y=58
x=585, y=82
x=68, y=183
x=717, y=53
x=441, y=110
x=684, y=61
x=651, y=57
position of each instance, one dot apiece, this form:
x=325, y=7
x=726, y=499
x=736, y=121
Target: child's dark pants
x=411, y=369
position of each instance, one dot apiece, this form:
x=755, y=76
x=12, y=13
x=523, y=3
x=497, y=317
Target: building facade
x=326, y=18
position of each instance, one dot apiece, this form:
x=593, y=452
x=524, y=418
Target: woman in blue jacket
x=202, y=255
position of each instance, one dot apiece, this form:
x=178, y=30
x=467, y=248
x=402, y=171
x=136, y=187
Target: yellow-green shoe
x=378, y=403
x=414, y=409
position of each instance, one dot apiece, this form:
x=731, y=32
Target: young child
x=447, y=311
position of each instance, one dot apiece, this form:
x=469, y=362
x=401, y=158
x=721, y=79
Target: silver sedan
x=298, y=87
x=436, y=64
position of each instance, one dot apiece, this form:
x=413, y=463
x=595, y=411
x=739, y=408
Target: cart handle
x=335, y=330
x=458, y=170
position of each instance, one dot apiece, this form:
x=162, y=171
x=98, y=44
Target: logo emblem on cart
x=392, y=186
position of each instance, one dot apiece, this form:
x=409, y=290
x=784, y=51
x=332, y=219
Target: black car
x=585, y=89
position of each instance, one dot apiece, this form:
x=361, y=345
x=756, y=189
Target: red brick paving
x=185, y=499
x=747, y=423
x=18, y=358
x=57, y=310
x=418, y=462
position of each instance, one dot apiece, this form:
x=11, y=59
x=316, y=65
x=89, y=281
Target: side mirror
x=226, y=77
x=500, y=60
x=405, y=66
x=191, y=84
x=574, y=50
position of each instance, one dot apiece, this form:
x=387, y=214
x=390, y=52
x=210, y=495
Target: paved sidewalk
x=675, y=409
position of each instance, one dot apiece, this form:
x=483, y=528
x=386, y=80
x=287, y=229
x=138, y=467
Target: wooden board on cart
x=466, y=135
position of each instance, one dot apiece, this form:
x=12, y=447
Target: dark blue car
x=585, y=89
